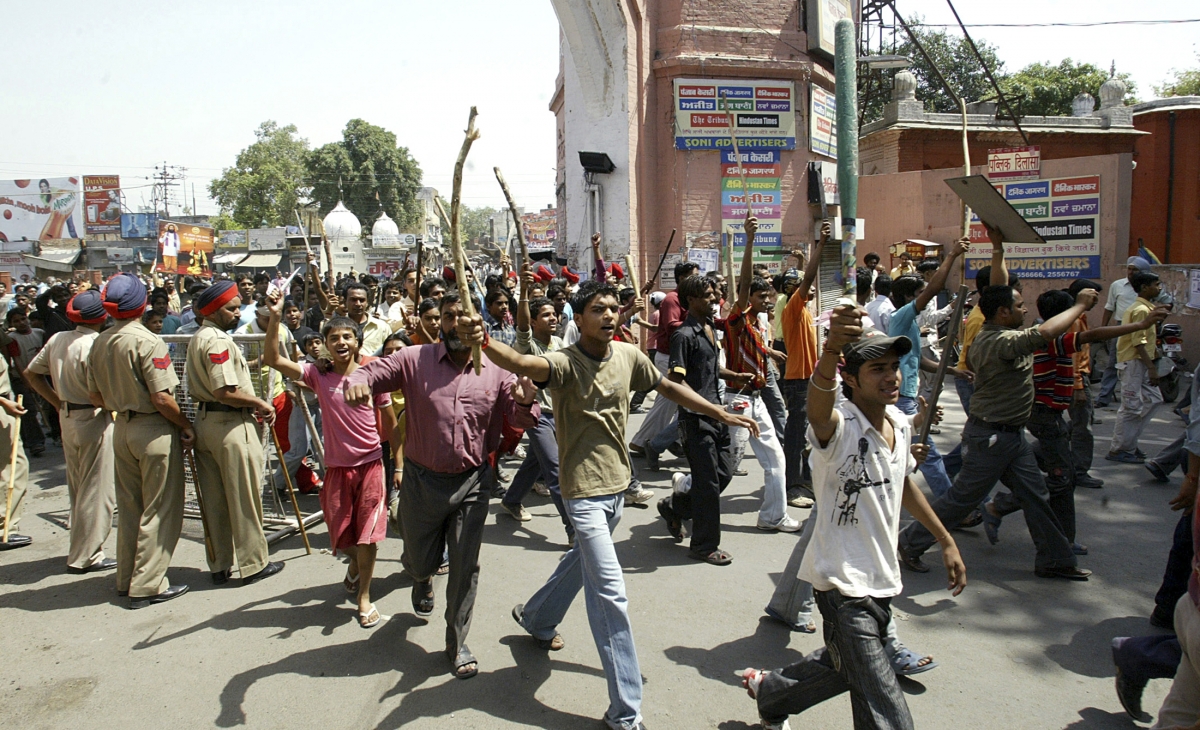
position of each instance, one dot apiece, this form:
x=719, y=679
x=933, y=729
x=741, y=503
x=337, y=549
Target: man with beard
x=228, y=445
x=446, y=475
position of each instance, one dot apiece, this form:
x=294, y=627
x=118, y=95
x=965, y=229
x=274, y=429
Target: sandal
x=991, y=525
x=443, y=569
x=906, y=663
x=552, y=644
x=808, y=628
x=370, y=618
x=351, y=584
x=716, y=557
x=751, y=679
x=674, y=526
x=915, y=564
x=462, y=661
x=422, y=598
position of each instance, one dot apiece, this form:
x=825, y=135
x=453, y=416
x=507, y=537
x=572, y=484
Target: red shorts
x=355, y=505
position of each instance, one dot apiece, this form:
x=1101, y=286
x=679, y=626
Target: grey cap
x=1141, y=263
x=874, y=344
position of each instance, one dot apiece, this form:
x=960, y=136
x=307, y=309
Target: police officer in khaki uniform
x=229, y=456
x=130, y=369
x=87, y=430
x=10, y=419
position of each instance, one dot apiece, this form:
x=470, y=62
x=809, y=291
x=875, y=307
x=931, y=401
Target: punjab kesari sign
x=1066, y=212
x=763, y=114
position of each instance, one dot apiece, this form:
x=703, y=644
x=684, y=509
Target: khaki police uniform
x=229, y=455
x=129, y=362
x=10, y=428
x=87, y=434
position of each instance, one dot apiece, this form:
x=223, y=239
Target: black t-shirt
x=697, y=359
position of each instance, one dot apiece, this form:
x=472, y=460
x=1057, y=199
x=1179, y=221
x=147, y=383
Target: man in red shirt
x=663, y=414
x=1054, y=389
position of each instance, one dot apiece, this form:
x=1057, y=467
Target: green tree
x=1186, y=83
x=266, y=183
x=1048, y=90
x=475, y=222
x=954, y=59
x=367, y=171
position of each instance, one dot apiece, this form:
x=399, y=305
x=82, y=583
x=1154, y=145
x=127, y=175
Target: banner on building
x=120, y=256
x=266, y=239
x=763, y=114
x=822, y=122
x=184, y=248
x=823, y=16
x=41, y=210
x=1066, y=212
x=102, y=203
x=763, y=199
x=1015, y=163
x=708, y=259
x=231, y=241
x=139, y=225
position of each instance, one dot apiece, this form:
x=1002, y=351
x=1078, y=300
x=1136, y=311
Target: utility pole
x=166, y=177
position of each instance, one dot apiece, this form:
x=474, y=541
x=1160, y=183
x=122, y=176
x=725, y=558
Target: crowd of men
x=833, y=415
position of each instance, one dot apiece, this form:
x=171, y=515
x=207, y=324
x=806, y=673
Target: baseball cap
x=656, y=298
x=873, y=344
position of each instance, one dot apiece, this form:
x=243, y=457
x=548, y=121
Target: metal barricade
x=278, y=518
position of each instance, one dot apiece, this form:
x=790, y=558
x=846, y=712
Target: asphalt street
x=1014, y=650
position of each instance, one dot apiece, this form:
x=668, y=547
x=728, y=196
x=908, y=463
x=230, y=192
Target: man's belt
x=135, y=414
x=80, y=406
x=213, y=406
x=1004, y=427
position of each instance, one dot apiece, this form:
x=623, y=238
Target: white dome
x=384, y=226
x=341, y=224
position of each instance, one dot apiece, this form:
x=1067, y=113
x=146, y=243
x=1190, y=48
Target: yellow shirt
x=903, y=270
x=1127, y=344
x=970, y=329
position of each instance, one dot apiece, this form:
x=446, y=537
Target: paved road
x=1015, y=650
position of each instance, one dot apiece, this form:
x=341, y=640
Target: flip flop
x=553, y=644
x=370, y=618
x=808, y=628
x=351, y=585
x=465, y=658
x=443, y=569
x=716, y=557
x=906, y=663
x=422, y=601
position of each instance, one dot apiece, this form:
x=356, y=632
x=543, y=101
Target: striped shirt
x=745, y=351
x=1054, y=372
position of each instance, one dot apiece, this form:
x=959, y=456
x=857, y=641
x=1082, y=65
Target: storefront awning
x=229, y=258
x=62, y=261
x=266, y=261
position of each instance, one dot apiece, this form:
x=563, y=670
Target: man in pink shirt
x=455, y=419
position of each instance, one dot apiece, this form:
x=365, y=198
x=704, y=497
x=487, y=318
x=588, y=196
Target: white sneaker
x=637, y=494
x=520, y=453
x=775, y=725
x=681, y=483
x=518, y=512
x=787, y=524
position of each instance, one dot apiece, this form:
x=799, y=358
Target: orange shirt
x=1082, y=357
x=800, y=336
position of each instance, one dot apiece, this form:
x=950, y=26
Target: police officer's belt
x=1002, y=427
x=80, y=407
x=207, y=406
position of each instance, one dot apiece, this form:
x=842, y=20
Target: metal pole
x=846, y=75
x=999, y=94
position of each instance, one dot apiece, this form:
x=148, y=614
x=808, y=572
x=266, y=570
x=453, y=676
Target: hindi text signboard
x=763, y=114
x=1015, y=163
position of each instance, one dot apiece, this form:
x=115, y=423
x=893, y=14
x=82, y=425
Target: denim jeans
x=665, y=438
x=592, y=565
x=933, y=470
x=773, y=397
x=795, y=438
x=1179, y=568
x=952, y=461
x=991, y=455
x=1082, y=442
x=541, y=460
x=1142, y=658
x=661, y=413
x=711, y=462
x=1108, y=382
x=1050, y=429
x=852, y=660
x=769, y=453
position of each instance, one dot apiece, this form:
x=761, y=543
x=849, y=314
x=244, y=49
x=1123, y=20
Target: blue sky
x=98, y=88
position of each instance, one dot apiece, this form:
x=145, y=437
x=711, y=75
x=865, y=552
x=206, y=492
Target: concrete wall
x=1150, y=185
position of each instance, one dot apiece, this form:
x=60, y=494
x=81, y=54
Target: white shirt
x=880, y=311
x=1120, y=296
x=170, y=244
x=859, y=485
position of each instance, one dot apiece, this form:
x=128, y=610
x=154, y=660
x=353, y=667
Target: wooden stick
x=460, y=261
x=632, y=273
x=208, y=547
x=317, y=447
x=12, y=467
x=287, y=479
x=951, y=336
x=512, y=207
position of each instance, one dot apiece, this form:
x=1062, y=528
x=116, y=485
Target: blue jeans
x=665, y=438
x=592, y=565
x=794, y=437
x=952, y=462
x=541, y=460
x=933, y=470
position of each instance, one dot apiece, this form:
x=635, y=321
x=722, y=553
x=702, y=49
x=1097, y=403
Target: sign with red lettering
x=1015, y=163
x=763, y=114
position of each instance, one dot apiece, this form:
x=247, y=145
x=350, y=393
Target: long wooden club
x=512, y=208
x=208, y=546
x=951, y=336
x=287, y=479
x=460, y=261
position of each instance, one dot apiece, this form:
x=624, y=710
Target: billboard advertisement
x=41, y=210
x=540, y=230
x=139, y=225
x=1065, y=212
x=822, y=122
x=266, y=239
x=184, y=248
x=823, y=16
x=102, y=203
x=763, y=114
x=763, y=198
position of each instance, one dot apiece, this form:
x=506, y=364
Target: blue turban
x=125, y=296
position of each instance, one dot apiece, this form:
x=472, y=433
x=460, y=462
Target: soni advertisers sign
x=1066, y=212
x=763, y=114
x=41, y=210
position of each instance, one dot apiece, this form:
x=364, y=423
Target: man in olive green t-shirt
x=591, y=382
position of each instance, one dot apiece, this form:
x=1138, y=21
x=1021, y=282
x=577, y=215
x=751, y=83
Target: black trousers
x=440, y=511
x=710, y=457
